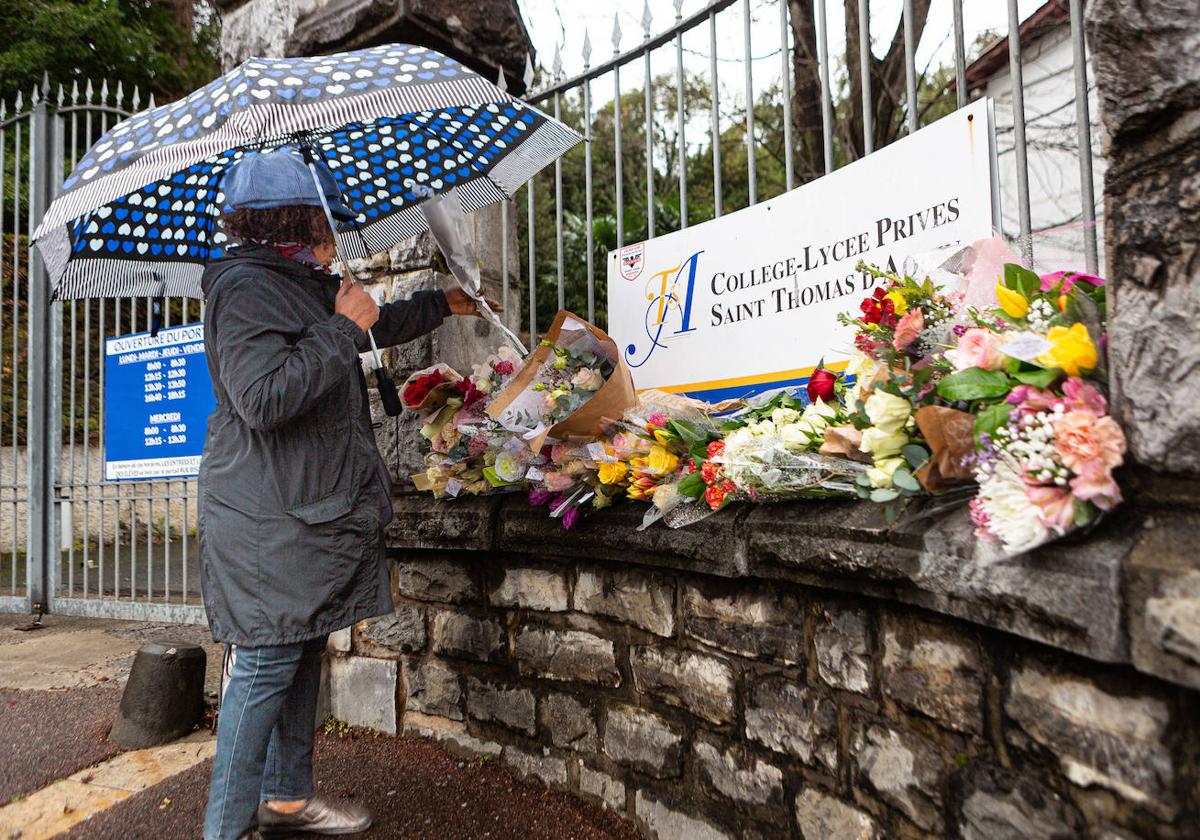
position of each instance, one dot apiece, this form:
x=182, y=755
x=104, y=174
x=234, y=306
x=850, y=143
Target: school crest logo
x=631, y=260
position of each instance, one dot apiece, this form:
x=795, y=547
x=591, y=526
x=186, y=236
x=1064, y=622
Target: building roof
x=995, y=58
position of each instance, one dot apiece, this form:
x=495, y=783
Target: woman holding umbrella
x=293, y=491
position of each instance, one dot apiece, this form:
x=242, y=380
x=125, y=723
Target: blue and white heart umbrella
x=138, y=215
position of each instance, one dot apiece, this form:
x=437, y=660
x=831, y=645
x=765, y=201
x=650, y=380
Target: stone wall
x=782, y=671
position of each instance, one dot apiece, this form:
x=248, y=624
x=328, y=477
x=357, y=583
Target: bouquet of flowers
x=770, y=451
x=427, y=390
x=1045, y=445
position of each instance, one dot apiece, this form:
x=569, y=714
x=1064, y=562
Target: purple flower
x=538, y=497
x=959, y=329
x=569, y=518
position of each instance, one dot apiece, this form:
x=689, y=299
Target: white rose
x=887, y=411
x=783, y=416
x=861, y=366
x=882, y=444
x=797, y=436
x=881, y=474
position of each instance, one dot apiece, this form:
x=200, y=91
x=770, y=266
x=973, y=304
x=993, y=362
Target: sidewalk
x=60, y=777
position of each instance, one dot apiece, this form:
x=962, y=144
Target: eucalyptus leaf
x=862, y=480
x=905, y=480
x=917, y=456
x=884, y=494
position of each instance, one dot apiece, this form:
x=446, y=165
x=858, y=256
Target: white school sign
x=749, y=301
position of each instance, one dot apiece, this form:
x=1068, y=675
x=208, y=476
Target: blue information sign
x=157, y=398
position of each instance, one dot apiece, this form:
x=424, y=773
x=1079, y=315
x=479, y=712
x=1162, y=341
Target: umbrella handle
x=383, y=379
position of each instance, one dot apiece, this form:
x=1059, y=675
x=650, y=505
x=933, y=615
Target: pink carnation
x=1029, y=399
x=1083, y=439
x=1095, y=484
x=908, y=329
x=657, y=418
x=978, y=348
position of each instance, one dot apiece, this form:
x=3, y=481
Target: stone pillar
x=486, y=35
x=1146, y=55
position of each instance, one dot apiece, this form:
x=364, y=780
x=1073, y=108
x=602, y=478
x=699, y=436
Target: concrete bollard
x=164, y=697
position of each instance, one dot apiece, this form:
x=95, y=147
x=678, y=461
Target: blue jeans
x=264, y=735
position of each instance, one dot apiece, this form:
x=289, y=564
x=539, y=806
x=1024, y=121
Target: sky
x=565, y=22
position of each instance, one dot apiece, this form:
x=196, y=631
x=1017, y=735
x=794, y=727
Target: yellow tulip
x=1071, y=350
x=1014, y=304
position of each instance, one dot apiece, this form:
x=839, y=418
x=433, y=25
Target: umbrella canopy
x=138, y=215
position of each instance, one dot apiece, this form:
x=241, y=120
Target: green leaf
x=1021, y=279
x=692, y=486
x=973, y=384
x=1040, y=378
x=862, y=480
x=688, y=431
x=884, y=494
x=917, y=456
x=1084, y=513
x=992, y=418
x=905, y=480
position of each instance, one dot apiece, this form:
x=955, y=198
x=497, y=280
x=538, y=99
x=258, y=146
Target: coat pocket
x=326, y=509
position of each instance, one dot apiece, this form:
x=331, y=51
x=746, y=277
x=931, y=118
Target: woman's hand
x=354, y=302
x=462, y=304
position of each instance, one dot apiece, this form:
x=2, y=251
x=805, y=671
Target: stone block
x=934, y=670
x=644, y=741
x=1064, y=594
x=532, y=589
x=433, y=689
x=747, y=781
x=386, y=637
x=822, y=817
x=450, y=734
x=423, y=522
x=568, y=722
x=704, y=685
x=903, y=769
x=794, y=720
x=603, y=787
x=645, y=600
x=339, y=641
x=445, y=581
x=998, y=804
x=761, y=623
x=1163, y=575
x=665, y=823
x=511, y=707
x=464, y=636
x=568, y=655
x=362, y=692
x=548, y=769
x=1119, y=742
x=843, y=650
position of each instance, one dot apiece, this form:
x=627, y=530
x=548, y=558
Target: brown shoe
x=317, y=816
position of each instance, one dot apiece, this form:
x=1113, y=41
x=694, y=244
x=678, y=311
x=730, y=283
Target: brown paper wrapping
x=950, y=434
x=844, y=441
x=611, y=401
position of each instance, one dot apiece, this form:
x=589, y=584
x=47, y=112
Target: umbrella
x=394, y=124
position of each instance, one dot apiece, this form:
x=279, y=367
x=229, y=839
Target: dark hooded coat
x=293, y=494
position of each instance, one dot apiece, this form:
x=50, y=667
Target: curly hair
x=293, y=223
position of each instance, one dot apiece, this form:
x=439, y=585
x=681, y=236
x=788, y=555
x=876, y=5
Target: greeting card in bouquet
x=569, y=387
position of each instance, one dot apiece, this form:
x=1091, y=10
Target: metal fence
x=70, y=541
x=545, y=266
x=74, y=543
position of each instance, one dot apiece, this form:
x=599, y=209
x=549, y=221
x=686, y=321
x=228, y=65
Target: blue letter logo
x=670, y=306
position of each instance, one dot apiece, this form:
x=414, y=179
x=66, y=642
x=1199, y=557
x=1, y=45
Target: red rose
x=821, y=385
x=504, y=368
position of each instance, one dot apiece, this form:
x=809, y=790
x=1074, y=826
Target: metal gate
x=71, y=542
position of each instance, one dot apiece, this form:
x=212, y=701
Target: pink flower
x=1068, y=280
x=1029, y=399
x=504, y=367
x=1080, y=394
x=560, y=453
x=657, y=418
x=908, y=329
x=558, y=482
x=569, y=518
x=1095, y=484
x=1083, y=439
x=980, y=518
x=1056, y=505
x=977, y=348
